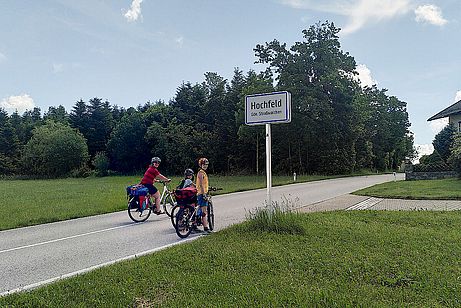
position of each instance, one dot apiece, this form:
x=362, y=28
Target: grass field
x=31, y=202
x=335, y=259
x=445, y=189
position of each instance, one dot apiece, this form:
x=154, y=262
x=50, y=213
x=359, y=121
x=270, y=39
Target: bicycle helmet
x=155, y=160
x=189, y=172
x=203, y=161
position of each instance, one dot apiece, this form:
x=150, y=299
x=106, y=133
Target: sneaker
x=158, y=212
x=207, y=230
x=195, y=229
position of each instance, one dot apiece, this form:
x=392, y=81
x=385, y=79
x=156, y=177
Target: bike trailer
x=186, y=195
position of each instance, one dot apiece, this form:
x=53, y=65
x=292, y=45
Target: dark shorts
x=152, y=189
x=201, y=200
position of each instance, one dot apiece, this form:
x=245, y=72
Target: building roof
x=453, y=109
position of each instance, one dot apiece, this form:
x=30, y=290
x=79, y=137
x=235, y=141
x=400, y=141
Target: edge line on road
x=88, y=269
x=64, y=238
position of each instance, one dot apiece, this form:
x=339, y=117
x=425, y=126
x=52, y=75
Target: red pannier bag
x=186, y=195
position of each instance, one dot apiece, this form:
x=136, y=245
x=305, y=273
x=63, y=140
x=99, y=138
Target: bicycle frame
x=167, y=198
x=166, y=190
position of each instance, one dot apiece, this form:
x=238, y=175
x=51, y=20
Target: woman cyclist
x=202, y=191
x=148, y=181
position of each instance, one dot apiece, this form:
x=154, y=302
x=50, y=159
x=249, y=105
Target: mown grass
x=31, y=202
x=341, y=259
x=444, y=189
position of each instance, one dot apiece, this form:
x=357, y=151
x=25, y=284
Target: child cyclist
x=148, y=181
x=202, y=191
x=188, y=180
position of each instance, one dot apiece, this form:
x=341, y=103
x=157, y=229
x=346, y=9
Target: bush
x=7, y=166
x=101, y=164
x=54, y=150
x=434, y=158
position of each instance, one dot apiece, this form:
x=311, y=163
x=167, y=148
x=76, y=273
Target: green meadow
x=31, y=202
x=444, y=189
x=335, y=259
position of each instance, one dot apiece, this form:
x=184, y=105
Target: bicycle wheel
x=174, y=212
x=168, y=204
x=135, y=211
x=184, y=222
x=210, y=216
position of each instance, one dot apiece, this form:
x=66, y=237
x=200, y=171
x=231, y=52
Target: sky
x=129, y=52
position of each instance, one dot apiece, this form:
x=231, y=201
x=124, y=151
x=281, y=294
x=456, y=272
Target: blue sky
x=56, y=52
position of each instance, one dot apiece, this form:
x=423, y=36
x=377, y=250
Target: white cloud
x=363, y=12
x=437, y=125
x=364, y=76
x=359, y=12
x=430, y=14
x=2, y=57
x=20, y=103
x=458, y=96
x=423, y=149
x=134, y=12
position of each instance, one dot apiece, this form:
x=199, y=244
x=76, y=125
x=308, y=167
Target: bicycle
x=167, y=199
x=139, y=203
x=188, y=216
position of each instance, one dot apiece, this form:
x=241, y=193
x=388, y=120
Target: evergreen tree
x=79, y=117
x=9, y=145
x=58, y=114
x=443, y=141
x=100, y=125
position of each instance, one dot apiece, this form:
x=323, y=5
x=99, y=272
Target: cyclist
x=148, y=180
x=188, y=180
x=202, y=190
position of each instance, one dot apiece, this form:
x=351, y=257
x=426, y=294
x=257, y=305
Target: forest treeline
x=337, y=126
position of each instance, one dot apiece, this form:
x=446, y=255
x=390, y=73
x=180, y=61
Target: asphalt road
x=33, y=256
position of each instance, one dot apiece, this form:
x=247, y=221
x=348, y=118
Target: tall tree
x=57, y=114
x=9, y=145
x=443, y=141
x=319, y=76
x=79, y=117
x=101, y=125
x=30, y=119
x=127, y=147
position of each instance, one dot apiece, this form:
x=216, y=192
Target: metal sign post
x=265, y=109
x=268, y=165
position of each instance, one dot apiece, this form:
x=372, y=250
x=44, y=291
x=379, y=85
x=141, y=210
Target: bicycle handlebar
x=163, y=182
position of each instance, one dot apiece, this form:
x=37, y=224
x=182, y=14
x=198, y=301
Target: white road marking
x=85, y=270
x=64, y=238
x=366, y=204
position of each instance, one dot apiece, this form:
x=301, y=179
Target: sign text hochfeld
x=268, y=108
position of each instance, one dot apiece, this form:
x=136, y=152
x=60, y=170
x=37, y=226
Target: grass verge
x=341, y=259
x=444, y=189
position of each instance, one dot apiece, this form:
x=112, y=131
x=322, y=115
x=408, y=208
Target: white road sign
x=268, y=108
